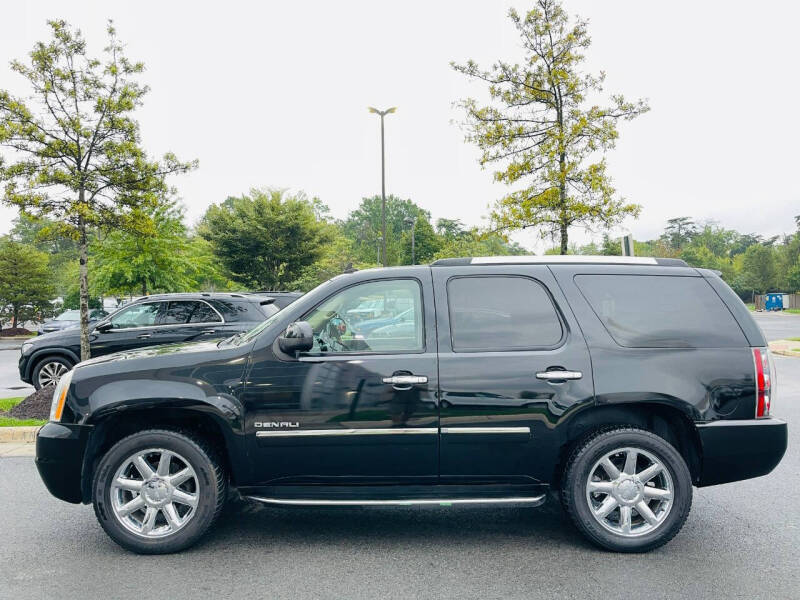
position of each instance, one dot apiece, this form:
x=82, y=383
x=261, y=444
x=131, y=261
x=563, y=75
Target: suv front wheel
x=49, y=370
x=158, y=491
x=627, y=489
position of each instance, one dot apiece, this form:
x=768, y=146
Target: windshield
x=253, y=333
x=69, y=315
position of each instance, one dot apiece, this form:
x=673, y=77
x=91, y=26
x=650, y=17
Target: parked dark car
x=148, y=321
x=617, y=382
x=69, y=318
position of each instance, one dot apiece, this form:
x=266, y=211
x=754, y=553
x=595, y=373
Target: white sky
x=275, y=94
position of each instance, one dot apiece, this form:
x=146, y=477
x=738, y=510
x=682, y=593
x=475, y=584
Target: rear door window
x=203, y=313
x=656, y=311
x=496, y=313
x=178, y=312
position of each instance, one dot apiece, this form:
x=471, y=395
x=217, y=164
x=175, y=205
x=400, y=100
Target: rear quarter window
x=658, y=311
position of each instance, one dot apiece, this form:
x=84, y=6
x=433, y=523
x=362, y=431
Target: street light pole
x=382, y=114
x=413, y=223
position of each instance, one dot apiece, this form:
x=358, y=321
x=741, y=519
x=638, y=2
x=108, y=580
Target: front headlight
x=26, y=347
x=60, y=396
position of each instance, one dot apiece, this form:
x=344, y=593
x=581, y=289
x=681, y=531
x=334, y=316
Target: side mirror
x=102, y=327
x=298, y=337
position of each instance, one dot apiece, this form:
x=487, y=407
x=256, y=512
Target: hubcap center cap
x=628, y=491
x=156, y=492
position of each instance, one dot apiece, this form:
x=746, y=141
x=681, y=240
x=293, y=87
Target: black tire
x=211, y=495
x=582, y=462
x=48, y=360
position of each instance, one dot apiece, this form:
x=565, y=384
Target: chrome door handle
x=405, y=379
x=207, y=331
x=144, y=336
x=558, y=375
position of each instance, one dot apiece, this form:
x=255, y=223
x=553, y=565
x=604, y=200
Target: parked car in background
x=617, y=382
x=69, y=318
x=282, y=298
x=148, y=321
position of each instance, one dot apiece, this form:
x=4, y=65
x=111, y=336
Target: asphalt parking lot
x=740, y=541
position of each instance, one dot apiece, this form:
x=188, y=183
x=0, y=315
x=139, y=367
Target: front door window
x=379, y=316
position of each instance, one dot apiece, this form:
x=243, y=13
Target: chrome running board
x=520, y=500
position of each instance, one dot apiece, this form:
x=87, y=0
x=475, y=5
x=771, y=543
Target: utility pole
x=413, y=223
x=382, y=114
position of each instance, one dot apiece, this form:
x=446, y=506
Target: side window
x=377, y=316
x=139, y=315
x=657, y=311
x=495, y=313
x=178, y=312
x=203, y=313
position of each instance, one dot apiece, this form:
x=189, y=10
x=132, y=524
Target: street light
x=413, y=223
x=382, y=114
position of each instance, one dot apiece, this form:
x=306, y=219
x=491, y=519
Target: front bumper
x=60, y=449
x=23, y=368
x=736, y=450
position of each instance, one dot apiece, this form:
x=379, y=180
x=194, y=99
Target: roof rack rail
x=573, y=259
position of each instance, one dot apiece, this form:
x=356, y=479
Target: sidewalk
x=785, y=348
x=17, y=441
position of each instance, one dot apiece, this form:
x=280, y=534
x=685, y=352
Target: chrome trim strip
x=741, y=422
x=571, y=259
x=486, y=430
x=536, y=500
x=337, y=432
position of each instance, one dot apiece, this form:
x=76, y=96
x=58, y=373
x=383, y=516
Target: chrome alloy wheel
x=154, y=493
x=630, y=492
x=51, y=372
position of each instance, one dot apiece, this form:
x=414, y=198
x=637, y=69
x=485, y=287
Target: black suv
x=149, y=321
x=617, y=382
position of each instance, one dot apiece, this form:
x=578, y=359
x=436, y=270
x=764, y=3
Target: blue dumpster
x=773, y=302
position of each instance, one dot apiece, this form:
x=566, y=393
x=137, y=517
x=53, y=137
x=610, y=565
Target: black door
x=512, y=364
x=131, y=327
x=361, y=406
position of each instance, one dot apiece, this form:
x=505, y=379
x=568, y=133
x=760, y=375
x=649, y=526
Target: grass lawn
x=9, y=422
x=797, y=339
x=793, y=311
x=750, y=306
x=7, y=404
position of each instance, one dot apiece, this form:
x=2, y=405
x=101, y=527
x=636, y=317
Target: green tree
x=679, y=232
x=472, y=242
x=426, y=242
x=543, y=131
x=154, y=260
x=758, y=272
x=363, y=227
x=78, y=158
x=25, y=282
x=267, y=238
x=338, y=256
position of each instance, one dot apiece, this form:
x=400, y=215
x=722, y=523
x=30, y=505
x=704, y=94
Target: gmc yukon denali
x=616, y=383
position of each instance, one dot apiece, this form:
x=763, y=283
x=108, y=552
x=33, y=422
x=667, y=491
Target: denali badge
x=278, y=424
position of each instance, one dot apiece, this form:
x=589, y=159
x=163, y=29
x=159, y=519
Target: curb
x=785, y=348
x=25, y=435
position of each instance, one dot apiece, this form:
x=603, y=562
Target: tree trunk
x=144, y=287
x=15, y=318
x=564, y=237
x=84, y=289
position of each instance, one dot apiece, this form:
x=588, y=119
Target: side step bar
x=529, y=501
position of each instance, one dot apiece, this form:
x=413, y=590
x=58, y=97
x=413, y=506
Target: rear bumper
x=59, y=458
x=736, y=450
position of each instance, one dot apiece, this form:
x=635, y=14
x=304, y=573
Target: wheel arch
x=39, y=355
x=195, y=420
x=665, y=420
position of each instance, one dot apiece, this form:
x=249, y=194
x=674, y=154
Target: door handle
x=207, y=331
x=555, y=375
x=144, y=336
x=405, y=379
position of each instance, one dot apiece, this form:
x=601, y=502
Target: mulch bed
x=14, y=331
x=35, y=406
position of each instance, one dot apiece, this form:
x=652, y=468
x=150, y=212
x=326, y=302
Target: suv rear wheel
x=627, y=489
x=158, y=491
x=49, y=370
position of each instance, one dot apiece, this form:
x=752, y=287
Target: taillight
x=763, y=381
